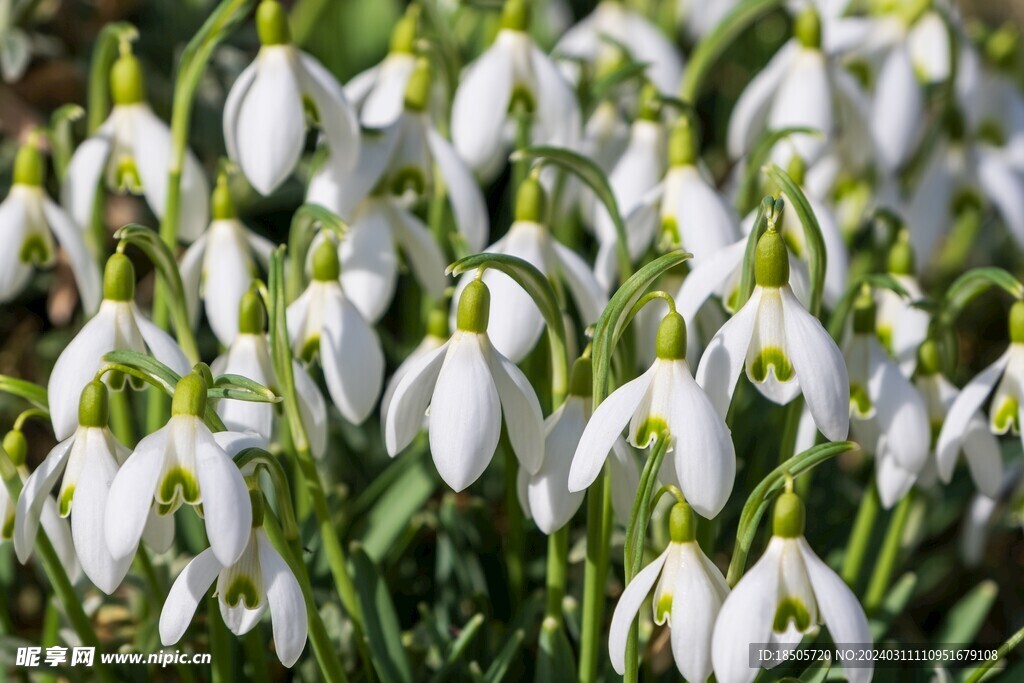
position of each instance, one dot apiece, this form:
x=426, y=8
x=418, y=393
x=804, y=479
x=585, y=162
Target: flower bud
x=682, y=523
x=16, y=446
x=581, y=379
x=93, y=406
x=119, y=279
x=531, y=201
x=272, y=23
x=788, y=520
x=126, y=81
x=189, y=396
x=682, y=144
x=29, y=166
x=670, y=342
x=807, y=29
x=252, y=319
x=771, y=260
x=1017, y=322
x=326, y=266
x=515, y=16
x=474, y=308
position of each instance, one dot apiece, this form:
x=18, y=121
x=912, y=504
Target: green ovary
x=859, y=400
x=177, y=485
x=1006, y=417
x=771, y=358
x=64, y=504
x=650, y=429
x=242, y=590
x=791, y=609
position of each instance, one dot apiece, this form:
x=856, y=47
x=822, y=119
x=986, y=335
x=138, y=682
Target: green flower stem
x=191, y=67
x=324, y=650
x=887, y=559
x=524, y=134
x=558, y=558
x=121, y=418
x=595, y=571
x=860, y=536
x=256, y=652
x=220, y=643
x=1006, y=648
x=515, y=543
x=58, y=577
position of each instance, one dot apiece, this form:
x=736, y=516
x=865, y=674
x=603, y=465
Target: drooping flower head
x=468, y=386
x=783, y=349
x=182, y=463
x=257, y=582
x=29, y=221
x=131, y=153
x=118, y=325
x=265, y=112
x=689, y=594
x=785, y=596
x=379, y=92
x=666, y=397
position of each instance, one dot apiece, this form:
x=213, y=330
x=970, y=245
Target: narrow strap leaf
x=817, y=261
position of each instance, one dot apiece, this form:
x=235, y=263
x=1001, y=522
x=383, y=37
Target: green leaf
x=31, y=392
x=458, y=648
x=163, y=260
x=591, y=174
x=816, y=258
x=746, y=286
x=845, y=303
x=390, y=515
x=715, y=43
x=1005, y=649
x=972, y=284
x=895, y=602
x=383, y=634
x=499, y=665
x=765, y=492
x=965, y=618
x=241, y=389
x=614, y=318
x=757, y=158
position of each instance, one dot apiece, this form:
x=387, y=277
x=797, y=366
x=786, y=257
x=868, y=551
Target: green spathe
x=789, y=517
x=119, y=279
x=670, y=343
x=93, y=406
x=474, y=308
x=190, y=396
x=272, y=23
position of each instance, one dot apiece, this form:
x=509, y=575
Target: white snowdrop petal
x=188, y=590
x=524, y=421
x=626, y=609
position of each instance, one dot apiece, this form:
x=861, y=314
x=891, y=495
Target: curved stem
x=889, y=556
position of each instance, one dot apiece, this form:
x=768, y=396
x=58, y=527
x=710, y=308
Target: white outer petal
x=188, y=591
x=628, y=606
x=723, y=359
x=524, y=421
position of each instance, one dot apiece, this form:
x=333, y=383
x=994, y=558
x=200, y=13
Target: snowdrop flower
x=400, y=166
x=29, y=221
x=88, y=459
x=588, y=41
x=543, y=496
x=517, y=329
x=694, y=216
x=782, y=598
x=666, y=397
x=249, y=356
x=984, y=513
x=436, y=336
x=182, y=462
x=888, y=417
x=1006, y=377
x=512, y=77
x=265, y=112
x=467, y=386
x=118, y=325
x=689, y=594
x=379, y=92
x=57, y=530
x=636, y=174
x=800, y=86
x=131, y=152
x=258, y=581
x=980, y=447
x=901, y=326
x=783, y=349
x=323, y=322
x=219, y=266
x=987, y=91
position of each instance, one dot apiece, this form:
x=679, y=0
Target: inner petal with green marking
x=767, y=359
x=1005, y=415
x=861, y=406
x=241, y=584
